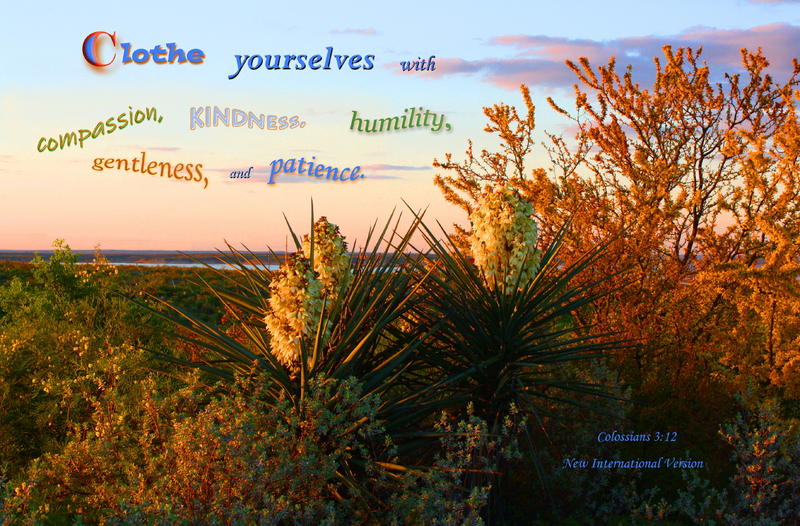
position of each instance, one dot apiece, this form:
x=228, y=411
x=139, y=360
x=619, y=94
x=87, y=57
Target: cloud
x=540, y=59
x=256, y=175
x=157, y=148
x=510, y=73
x=774, y=1
x=316, y=111
x=368, y=31
x=394, y=167
x=223, y=170
x=261, y=176
x=297, y=179
x=254, y=178
x=281, y=178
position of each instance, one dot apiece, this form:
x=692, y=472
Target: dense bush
x=245, y=460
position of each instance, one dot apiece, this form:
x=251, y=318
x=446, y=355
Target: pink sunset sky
x=482, y=55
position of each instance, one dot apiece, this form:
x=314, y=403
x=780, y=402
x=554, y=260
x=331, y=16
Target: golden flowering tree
x=700, y=181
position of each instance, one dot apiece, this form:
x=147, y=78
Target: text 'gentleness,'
x=141, y=165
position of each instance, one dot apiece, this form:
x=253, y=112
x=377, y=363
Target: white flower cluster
x=297, y=290
x=331, y=260
x=503, y=234
x=295, y=305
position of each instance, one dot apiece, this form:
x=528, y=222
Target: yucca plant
x=505, y=315
x=325, y=315
x=506, y=330
x=504, y=343
x=423, y=330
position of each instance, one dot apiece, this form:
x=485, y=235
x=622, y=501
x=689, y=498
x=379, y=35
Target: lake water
x=183, y=265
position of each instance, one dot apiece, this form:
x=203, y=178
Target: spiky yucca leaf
x=506, y=342
x=356, y=335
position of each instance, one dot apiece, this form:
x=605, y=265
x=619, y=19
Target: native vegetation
x=647, y=282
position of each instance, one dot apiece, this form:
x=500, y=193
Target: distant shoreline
x=141, y=257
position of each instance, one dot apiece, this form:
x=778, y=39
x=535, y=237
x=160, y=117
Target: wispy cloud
x=317, y=111
x=260, y=179
x=223, y=170
x=370, y=176
x=282, y=178
x=289, y=179
x=260, y=176
x=157, y=148
x=298, y=179
x=394, y=167
x=540, y=59
x=367, y=31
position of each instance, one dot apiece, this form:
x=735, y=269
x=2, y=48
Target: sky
x=482, y=53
